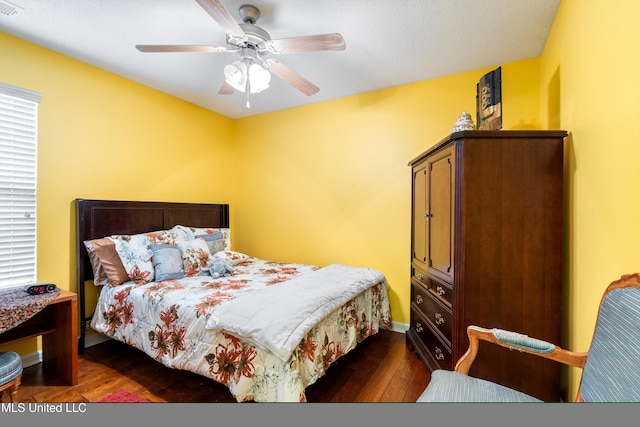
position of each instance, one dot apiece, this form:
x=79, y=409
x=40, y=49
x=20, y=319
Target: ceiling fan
x=252, y=72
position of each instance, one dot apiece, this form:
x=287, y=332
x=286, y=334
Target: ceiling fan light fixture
x=259, y=78
x=236, y=75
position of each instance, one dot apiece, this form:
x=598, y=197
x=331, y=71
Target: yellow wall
x=590, y=85
x=329, y=182
x=105, y=137
x=323, y=183
x=319, y=184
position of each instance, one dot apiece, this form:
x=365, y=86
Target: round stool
x=10, y=373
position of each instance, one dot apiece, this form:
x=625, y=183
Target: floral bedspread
x=167, y=320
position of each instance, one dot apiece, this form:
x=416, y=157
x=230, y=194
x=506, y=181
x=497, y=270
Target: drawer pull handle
x=419, y=299
x=419, y=327
x=440, y=290
x=439, y=318
x=420, y=276
x=438, y=352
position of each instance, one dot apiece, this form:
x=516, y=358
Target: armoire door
x=419, y=228
x=439, y=215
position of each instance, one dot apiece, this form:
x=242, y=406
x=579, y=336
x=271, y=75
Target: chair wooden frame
x=560, y=355
x=12, y=386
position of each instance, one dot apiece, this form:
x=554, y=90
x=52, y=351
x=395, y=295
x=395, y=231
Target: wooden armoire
x=486, y=250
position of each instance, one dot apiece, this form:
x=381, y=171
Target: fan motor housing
x=255, y=35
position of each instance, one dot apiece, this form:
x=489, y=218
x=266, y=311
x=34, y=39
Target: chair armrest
x=520, y=342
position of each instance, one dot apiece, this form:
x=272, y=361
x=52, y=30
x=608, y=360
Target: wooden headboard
x=100, y=218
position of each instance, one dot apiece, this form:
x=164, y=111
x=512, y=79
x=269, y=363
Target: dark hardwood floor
x=380, y=369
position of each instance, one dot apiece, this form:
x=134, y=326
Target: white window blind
x=18, y=173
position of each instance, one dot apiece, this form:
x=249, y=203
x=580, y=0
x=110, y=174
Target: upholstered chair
x=10, y=374
x=610, y=369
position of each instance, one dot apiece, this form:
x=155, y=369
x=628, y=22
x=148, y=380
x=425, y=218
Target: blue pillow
x=167, y=262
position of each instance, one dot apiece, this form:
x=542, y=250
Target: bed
x=266, y=329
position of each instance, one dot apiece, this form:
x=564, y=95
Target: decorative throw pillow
x=226, y=234
x=167, y=262
x=99, y=275
x=136, y=256
x=232, y=257
x=215, y=241
x=111, y=262
x=107, y=266
x=195, y=256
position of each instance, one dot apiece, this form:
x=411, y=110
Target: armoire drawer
x=439, y=288
x=438, y=350
x=419, y=276
x=433, y=310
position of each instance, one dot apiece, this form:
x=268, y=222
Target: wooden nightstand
x=57, y=323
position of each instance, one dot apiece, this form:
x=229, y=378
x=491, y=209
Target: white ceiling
x=389, y=42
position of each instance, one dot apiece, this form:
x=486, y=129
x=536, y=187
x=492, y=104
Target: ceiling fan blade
x=179, y=48
x=333, y=41
x=222, y=17
x=291, y=77
x=225, y=89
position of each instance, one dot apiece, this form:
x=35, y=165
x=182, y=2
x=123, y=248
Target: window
x=18, y=167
